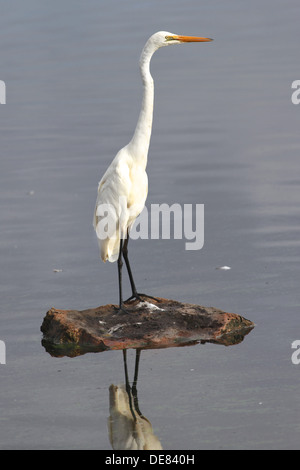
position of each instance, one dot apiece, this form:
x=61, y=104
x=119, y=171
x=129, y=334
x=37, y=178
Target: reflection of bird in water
x=128, y=428
x=122, y=191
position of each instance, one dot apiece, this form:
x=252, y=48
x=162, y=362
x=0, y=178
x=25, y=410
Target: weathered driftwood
x=159, y=324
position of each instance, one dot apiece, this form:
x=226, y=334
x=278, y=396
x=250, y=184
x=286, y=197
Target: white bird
x=123, y=189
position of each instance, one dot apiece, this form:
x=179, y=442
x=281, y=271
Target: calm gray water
x=225, y=135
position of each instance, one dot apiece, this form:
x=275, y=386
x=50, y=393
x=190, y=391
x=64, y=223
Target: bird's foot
x=139, y=296
x=121, y=309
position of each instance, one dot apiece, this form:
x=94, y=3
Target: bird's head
x=165, y=38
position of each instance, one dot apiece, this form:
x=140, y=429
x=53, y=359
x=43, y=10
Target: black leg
x=120, y=264
x=125, y=255
x=135, y=294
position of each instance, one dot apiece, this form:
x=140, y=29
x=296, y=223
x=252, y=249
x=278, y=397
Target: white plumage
x=123, y=188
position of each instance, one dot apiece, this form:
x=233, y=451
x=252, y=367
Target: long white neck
x=140, y=142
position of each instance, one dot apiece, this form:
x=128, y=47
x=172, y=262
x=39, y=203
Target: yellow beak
x=190, y=39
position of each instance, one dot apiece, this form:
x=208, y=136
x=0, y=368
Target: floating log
x=160, y=324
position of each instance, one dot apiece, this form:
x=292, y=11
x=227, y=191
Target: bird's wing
x=111, y=208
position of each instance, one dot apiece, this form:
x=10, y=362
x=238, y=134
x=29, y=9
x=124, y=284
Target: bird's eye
x=169, y=38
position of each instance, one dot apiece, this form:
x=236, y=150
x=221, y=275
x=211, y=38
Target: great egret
x=123, y=189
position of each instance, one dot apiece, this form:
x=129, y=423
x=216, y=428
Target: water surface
x=225, y=135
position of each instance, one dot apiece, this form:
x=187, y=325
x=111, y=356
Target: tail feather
x=109, y=249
